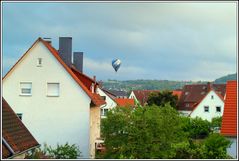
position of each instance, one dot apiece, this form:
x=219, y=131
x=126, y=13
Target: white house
x=110, y=102
x=56, y=106
x=203, y=100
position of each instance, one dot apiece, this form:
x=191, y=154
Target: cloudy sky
x=173, y=41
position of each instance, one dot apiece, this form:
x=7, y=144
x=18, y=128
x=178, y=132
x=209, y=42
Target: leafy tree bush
x=60, y=152
x=146, y=132
x=196, y=128
x=162, y=98
x=216, y=122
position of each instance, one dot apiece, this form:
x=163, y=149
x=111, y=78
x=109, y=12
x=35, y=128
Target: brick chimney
x=65, y=49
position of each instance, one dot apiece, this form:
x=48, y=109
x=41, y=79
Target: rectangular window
x=39, y=62
x=53, y=89
x=19, y=115
x=206, y=108
x=212, y=97
x=218, y=109
x=105, y=111
x=103, y=97
x=26, y=88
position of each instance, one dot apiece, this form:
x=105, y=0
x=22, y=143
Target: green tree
x=216, y=122
x=196, y=128
x=162, y=98
x=216, y=146
x=148, y=132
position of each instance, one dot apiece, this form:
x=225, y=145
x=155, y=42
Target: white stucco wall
x=51, y=120
x=132, y=95
x=232, y=150
x=110, y=103
x=212, y=103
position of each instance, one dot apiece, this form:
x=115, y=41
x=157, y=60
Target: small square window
x=218, y=109
x=26, y=88
x=103, y=97
x=212, y=97
x=206, y=108
x=39, y=62
x=53, y=89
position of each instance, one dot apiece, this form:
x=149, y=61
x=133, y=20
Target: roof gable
x=229, y=119
x=14, y=133
x=96, y=100
x=125, y=102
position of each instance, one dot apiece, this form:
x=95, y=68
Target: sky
x=163, y=40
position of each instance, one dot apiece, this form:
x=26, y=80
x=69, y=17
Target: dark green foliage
x=215, y=146
x=196, y=128
x=60, y=152
x=64, y=151
x=146, y=132
x=216, y=122
x=162, y=98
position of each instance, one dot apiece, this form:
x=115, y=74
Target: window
x=19, y=115
x=101, y=112
x=39, y=62
x=103, y=97
x=26, y=88
x=212, y=97
x=187, y=104
x=105, y=111
x=53, y=89
x=218, y=109
x=186, y=93
x=206, y=108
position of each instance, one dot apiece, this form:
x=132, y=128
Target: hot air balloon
x=116, y=64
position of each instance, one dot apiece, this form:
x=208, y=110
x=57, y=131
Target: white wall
x=212, y=103
x=50, y=119
x=232, y=150
x=110, y=103
x=132, y=95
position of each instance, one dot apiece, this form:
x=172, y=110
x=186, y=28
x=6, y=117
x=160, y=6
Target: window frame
x=205, y=108
x=20, y=87
x=19, y=115
x=39, y=60
x=220, y=109
x=51, y=95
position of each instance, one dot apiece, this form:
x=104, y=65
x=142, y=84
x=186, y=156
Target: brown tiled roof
x=14, y=133
x=142, y=95
x=194, y=93
x=229, y=119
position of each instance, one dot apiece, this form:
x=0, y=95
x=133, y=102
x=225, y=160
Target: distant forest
x=129, y=85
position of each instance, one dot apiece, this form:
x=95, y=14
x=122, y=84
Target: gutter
x=16, y=154
x=8, y=146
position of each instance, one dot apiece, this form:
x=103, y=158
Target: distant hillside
x=145, y=85
x=224, y=79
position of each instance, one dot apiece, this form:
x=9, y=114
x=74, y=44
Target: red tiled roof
x=14, y=133
x=229, y=119
x=95, y=99
x=124, y=102
x=193, y=94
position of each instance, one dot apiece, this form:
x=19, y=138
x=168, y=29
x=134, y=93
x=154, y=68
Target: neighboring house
x=229, y=119
x=16, y=139
x=125, y=102
x=141, y=96
x=118, y=94
x=109, y=99
x=58, y=104
x=202, y=100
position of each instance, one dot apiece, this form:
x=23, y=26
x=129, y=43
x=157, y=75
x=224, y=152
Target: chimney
x=65, y=49
x=47, y=39
x=78, y=61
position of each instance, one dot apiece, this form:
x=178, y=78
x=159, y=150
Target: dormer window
x=39, y=62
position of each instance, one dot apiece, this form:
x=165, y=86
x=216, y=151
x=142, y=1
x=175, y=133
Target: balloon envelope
x=116, y=64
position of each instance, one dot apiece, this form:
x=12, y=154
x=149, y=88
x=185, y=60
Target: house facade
x=16, y=138
x=202, y=100
x=56, y=106
x=229, y=119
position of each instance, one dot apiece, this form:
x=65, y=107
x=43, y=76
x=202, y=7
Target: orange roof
x=95, y=99
x=124, y=102
x=229, y=119
x=177, y=93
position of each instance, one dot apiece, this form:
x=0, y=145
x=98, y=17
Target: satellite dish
x=116, y=64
